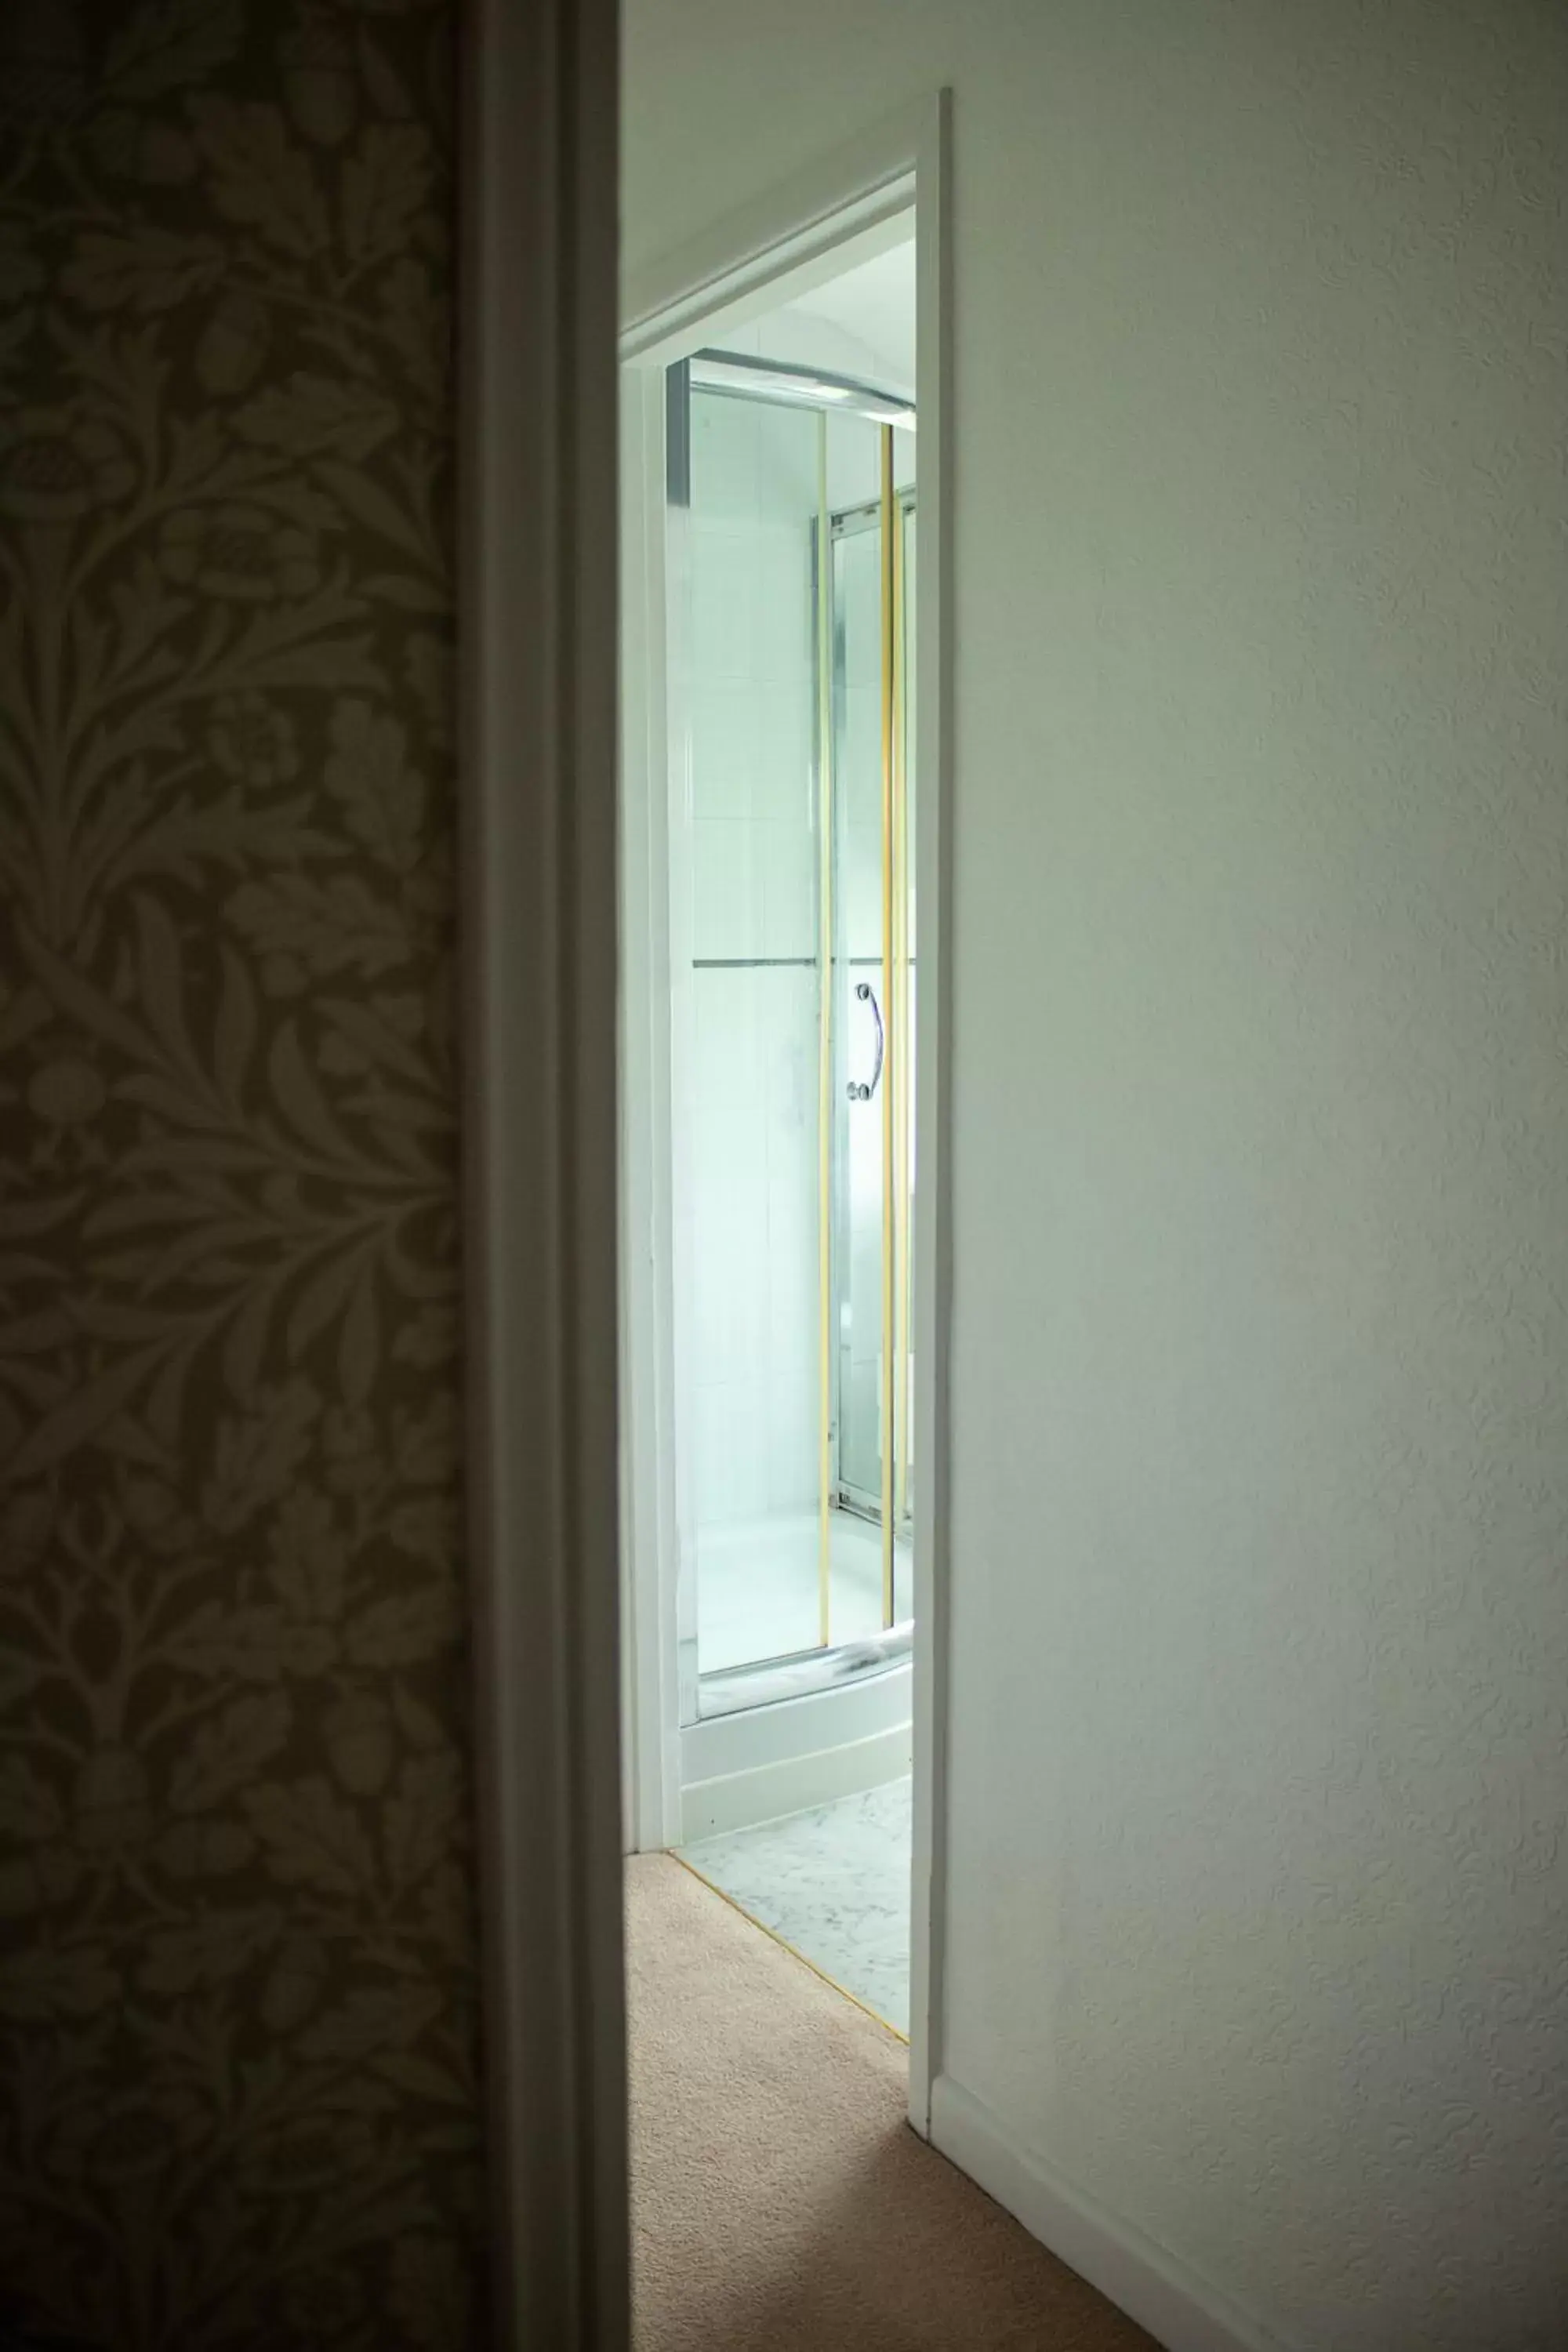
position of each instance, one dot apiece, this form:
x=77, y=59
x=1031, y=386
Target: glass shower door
x=750, y=1038
x=790, y=664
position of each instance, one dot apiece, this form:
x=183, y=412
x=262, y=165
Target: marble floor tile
x=835, y=1883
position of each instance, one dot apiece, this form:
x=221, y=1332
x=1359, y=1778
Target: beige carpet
x=779, y=2199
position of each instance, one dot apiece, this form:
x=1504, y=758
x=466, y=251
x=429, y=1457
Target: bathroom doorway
x=780, y=1091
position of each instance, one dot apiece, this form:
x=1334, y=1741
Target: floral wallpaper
x=238, y=2010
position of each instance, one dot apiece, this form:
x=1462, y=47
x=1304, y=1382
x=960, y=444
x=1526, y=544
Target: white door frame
x=537, y=928
x=845, y=207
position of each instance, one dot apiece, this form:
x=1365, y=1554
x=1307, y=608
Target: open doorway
x=780, y=1090
x=792, y=481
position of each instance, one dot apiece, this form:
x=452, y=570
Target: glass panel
x=751, y=1085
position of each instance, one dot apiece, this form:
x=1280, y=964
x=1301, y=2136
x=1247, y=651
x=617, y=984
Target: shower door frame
x=773, y=251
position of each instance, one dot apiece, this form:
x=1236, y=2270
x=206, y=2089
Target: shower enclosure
x=791, y=540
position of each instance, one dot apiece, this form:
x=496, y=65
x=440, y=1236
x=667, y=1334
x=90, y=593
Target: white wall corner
x=1180, y=2311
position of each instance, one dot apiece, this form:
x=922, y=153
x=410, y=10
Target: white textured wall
x=1260, y=1375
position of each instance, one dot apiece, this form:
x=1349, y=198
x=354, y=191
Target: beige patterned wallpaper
x=236, y=1991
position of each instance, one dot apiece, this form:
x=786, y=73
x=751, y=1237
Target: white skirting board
x=1179, y=2311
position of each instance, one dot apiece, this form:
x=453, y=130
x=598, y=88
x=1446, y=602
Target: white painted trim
x=1180, y=2310
x=933, y=1045
x=765, y=1792
x=537, y=927
x=845, y=205
x=655, y=1012
x=650, y=1546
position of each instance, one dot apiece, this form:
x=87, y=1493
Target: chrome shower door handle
x=857, y=1090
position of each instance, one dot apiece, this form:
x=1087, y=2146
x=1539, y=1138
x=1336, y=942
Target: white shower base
x=757, y=1587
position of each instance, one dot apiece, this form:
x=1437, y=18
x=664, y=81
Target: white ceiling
x=873, y=306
